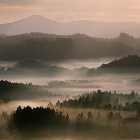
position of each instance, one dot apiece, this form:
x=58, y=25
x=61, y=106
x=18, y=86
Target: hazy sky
x=69, y=10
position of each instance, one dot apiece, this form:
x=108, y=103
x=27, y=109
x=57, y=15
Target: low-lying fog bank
x=38, y=122
x=82, y=106
x=24, y=120
x=59, y=89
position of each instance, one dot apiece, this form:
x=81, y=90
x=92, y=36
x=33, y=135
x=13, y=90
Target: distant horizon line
x=6, y=35
x=69, y=21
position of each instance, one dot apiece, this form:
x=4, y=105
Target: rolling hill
x=130, y=61
x=127, y=64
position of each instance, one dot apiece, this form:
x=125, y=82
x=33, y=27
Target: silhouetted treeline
x=36, y=68
x=31, y=67
x=29, y=121
x=17, y=39
x=103, y=100
x=38, y=49
x=24, y=91
x=130, y=61
x=80, y=83
x=61, y=48
x=129, y=40
x=113, y=124
x=93, y=120
x=34, y=118
x=5, y=85
x=127, y=64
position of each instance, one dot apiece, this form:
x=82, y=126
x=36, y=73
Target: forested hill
x=77, y=47
x=30, y=64
x=127, y=64
x=26, y=91
x=33, y=68
x=103, y=100
x=129, y=40
x=130, y=61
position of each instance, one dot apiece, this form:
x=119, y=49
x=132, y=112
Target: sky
x=70, y=10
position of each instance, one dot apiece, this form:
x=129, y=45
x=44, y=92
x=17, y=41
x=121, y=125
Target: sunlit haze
x=70, y=10
x=69, y=69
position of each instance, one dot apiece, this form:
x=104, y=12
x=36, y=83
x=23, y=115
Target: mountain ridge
x=37, y=23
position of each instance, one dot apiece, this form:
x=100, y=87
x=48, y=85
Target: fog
x=67, y=86
x=121, y=84
x=71, y=64
x=109, y=129
x=12, y=106
x=89, y=63
x=43, y=80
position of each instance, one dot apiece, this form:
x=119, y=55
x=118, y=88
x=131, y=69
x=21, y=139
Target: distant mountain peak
x=35, y=17
x=38, y=23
